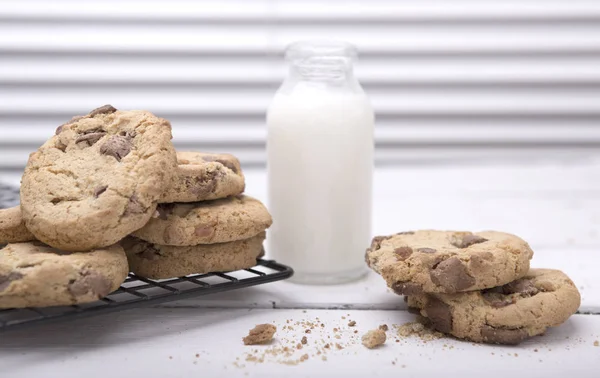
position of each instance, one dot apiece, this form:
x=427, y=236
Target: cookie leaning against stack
x=212, y=227
x=98, y=179
x=476, y=286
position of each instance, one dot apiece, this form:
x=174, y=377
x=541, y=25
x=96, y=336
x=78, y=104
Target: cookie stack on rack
x=108, y=192
x=475, y=286
x=203, y=225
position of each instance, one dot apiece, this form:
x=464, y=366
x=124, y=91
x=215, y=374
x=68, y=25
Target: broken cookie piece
x=261, y=334
x=373, y=338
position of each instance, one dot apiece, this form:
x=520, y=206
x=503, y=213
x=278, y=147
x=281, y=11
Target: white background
x=449, y=79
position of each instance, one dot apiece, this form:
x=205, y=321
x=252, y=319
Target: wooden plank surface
x=207, y=342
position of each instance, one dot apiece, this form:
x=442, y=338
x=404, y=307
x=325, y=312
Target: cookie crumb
x=596, y=343
x=299, y=346
x=326, y=346
x=355, y=331
x=339, y=346
x=170, y=357
x=535, y=350
x=384, y=327
x=324, y=358
x=304, y=340
x=418, y=329
x=197, y=355
x=352, y=323
x=304, y=357
x=261, y=334
x=373, y=338
x=307, y=331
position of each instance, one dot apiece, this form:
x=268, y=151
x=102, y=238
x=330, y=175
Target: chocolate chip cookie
x=204, y=176
x=12, y=227
x=219, y=221
x=36, y=275
x=448, y=261
x=163, y=261
x=506, y=314
x=98, y=179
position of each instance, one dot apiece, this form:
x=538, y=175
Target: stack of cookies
x=474, y=286
x=108, y=194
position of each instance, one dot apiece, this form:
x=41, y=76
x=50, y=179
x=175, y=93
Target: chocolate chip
x=224, y=162
x=376, y=242
x=402, y=253
x=407, y=288
x=522, y=286
x=440, y=314
x=464, y=240
x=202, y=186
x=116, y=146
x=452, y=275
x=497, y=300
x=58, y=130
x=99, y=190
x=426, y=250
x=149, y=252
x=90, y=138
x=405, y=233
x=164, y=210
x=414, y=310
x=92, y=282
x=61, y=146
x=106, y=109
x=5, y=280
x=134, y=206
x=503, y=336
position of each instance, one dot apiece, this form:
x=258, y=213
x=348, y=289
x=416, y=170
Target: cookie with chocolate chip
x=98, y=179
x=205, y=176
x=12, y=227
x=164, y=261
x=208, y=222
x=430, y=261
x=36, y=275
x=506, y=314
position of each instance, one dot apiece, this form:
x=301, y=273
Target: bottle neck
x=322, y=69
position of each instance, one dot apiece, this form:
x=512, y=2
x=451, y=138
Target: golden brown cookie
x=507, y=314
x=164, y=261
x=432, y=261
x=12, y=227
x=98, y=179
x=205, y=176
x=219, y=221
x=36, y=275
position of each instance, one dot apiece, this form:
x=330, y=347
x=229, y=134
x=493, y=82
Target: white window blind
x=448, y=79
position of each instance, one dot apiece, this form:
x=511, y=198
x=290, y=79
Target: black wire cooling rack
x=138, y=291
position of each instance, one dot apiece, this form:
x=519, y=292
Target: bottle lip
x=306, y=49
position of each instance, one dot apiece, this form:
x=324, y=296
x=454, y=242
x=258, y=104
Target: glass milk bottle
x=320, y=165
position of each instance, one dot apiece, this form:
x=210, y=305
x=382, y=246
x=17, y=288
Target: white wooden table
x=554, y=205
